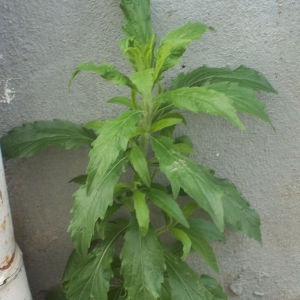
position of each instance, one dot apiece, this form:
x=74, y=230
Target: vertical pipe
x=13, y=280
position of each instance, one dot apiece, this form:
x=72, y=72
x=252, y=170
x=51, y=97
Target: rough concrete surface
x=41, y=42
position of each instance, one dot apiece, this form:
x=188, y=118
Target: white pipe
x=13, y=280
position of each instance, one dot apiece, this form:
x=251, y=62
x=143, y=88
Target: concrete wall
x=40, y=44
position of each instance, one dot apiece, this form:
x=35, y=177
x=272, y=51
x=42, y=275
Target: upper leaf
x=173, y=45
x=203, y=99
x=194, y=179
x=31, y=138
x=137, y=20
x=141, y=211
x=88, y=208
x=142, y=264
x=105, y=70
x=244, y=76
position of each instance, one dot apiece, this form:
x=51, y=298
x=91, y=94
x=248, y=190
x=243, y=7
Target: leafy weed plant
x=143, y=266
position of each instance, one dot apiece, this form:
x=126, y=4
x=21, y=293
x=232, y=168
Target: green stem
x=133, y=97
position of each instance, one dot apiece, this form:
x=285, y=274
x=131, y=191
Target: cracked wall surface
x=41, y=42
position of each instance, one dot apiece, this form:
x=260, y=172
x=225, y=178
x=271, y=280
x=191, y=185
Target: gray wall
x=40, y=44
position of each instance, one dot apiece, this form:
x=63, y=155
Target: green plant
x=141, y=139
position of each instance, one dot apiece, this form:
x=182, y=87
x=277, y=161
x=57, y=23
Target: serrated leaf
x=122, y=100
x=112, y=140
x=237, y=211
x=142, y=264
x=184, y=282
x=213, y=286
x=173, y=45
x=184, y=239
x=202, y=99
x=166, y=122
x=244, y=99
x=90, y=277
x=141, y=211
x=137, y=20
x=243, y=76
x=31, y=138
x=195, y=180
x=139, y=162
x=105, y=70
x=165, y=202
x=88, y=208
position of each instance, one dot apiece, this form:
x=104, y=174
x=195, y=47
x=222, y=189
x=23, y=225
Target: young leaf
x=139, y=162
x=90, y=277
x=112, y=140
x=105, y=70
x=143, y=81
x=203, y=99
x=184, y=239
x=194, y=179
x=32, y=138
x=93, y=125
x=237, y=211
x=184, y=282
x=167, y=204
x=142, y=264
x=173, y=46
x=141, y=211
x=88, y=208
x=243, y=76
x=137, y=20
x=184, y=144
x=122, y=100
x=81, y=179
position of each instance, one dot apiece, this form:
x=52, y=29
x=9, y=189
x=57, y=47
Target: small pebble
x=236, y=288
x=259, y=294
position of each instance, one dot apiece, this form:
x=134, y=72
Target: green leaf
x=105, y=70
x=112, y=140
x=90, y=278
x=122, y=100
x=142, y=211
x=88, y=208
x=142, y=264
x=143, y=81
x=167, y=204
x=32, y=138
x=243, y=76
x=185, y=283
x=244, y=99
x=206, y=229
x=184, y=144
x=139, y=162
x=213, y=286
x=137, y=20
x=201, y=246
x=184, y=239
x=166, y=122
x=194, y=179
x=56, y=293
x=237, y=211
x=203, y=99
x=94, y=125
x=173, y=45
